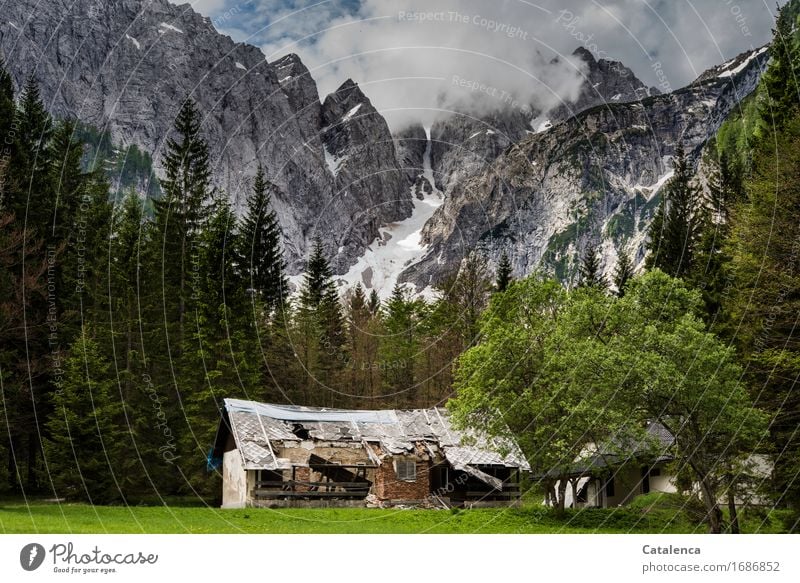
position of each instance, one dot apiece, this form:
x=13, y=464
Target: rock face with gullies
x=371, y=187
x=604, y=81
x=411, y=144
x=126, y=66
x=590, y=181
x=466, y=144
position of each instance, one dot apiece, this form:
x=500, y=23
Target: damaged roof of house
x=256, y=425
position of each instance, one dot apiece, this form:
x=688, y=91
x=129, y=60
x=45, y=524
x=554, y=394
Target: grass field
x=650, y=515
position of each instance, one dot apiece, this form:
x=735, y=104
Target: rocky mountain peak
x=605, y=81
x=125, y=67
x=735, y=67
x=585, y=55
x=591, y=181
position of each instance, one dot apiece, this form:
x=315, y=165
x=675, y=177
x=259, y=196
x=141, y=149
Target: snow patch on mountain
x=349, y=115
x=659, y=184
x=742, y=66
x=135, y=42
x=541, y=124
x=399, y=244
x=334, y=163
x=166, y=27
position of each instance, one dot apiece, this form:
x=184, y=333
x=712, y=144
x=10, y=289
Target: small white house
x=606, y=480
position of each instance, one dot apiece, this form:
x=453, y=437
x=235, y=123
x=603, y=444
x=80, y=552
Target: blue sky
x=409, y=51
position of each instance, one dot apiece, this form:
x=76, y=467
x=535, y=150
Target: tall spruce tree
x=623, y=272
x=589, y=271
x=31, y=200
x=182, y=212
x=710, y=271
x=466, y=294
x=781, y=81
x=261, y=236
x=504, y=273
x=8, y=112
x=361, y=346
x=318, y=278
x=765, y=301
x=374, y=302
x=85, y=449
x=400, y=346
x=675, y=228
x=322, y=325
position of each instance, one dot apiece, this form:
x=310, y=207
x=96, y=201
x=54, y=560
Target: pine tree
x=589, y=271
x=318, y=282
x=360, y=345
x=710, y=269
x=504, y=273
x=181, y=213
x=322, y=325
x=467, y=293
x=764, y=302
x=7, y=114
x=124, y=285
x=219, y=255
x=31, y=200
x=374, y=303
x=85, y=446
x=675, y=228
x=261, y=237
x=781, y=81
x=81, y=215
x=623, y=273
x=20, y=357
x=28, y=197
x=400, y=346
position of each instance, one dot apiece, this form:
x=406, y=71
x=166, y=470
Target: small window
x=655, y=472
x=406, y=470
x=610, y=487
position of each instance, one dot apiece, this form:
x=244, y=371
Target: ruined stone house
x=278, y=455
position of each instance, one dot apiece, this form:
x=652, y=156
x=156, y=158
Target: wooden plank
x=289, y=494
x=364, y=484
x=492, y=494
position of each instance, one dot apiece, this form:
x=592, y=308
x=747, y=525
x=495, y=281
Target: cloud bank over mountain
x=416, y=58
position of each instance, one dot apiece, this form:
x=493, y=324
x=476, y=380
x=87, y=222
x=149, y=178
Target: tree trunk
x=712, y=507
x=561, y=494
x=14, y=479
x=33, y=446
x=734, y=514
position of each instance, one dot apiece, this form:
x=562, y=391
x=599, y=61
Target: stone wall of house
x=234, y=480
x=388, y=487
x=302, y=475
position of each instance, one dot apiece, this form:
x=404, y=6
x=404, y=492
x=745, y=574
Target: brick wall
x=302, y=475
x=388, y=487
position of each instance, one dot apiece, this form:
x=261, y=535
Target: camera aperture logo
x=31, y=556
x=66, y=559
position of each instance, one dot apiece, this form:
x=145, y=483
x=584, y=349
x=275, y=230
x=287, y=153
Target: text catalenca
x=670, y=550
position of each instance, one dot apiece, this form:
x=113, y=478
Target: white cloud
x=416, y=58
x=413, y=57
x=207, y=7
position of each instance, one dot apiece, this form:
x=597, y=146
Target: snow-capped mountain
x=591, y=180
x=540, y=185
x=127, y=65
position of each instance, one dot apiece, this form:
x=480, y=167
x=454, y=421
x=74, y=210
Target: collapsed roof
x=256, y=426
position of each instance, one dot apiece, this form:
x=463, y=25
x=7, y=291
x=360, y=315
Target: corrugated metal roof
x=255, y=425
